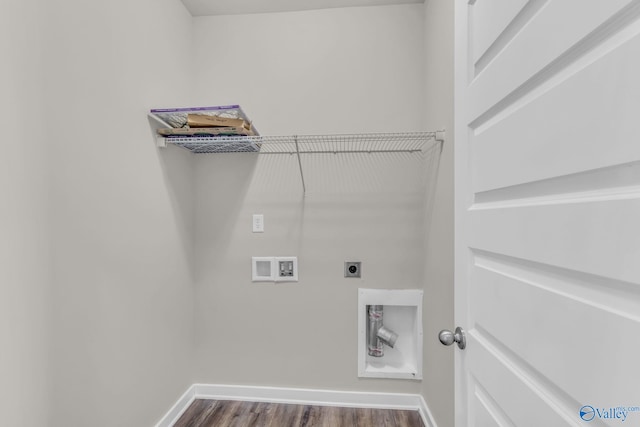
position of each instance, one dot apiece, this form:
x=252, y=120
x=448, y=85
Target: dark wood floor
x=226, y=413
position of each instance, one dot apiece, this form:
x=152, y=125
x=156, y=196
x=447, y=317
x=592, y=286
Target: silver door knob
x=447, y=337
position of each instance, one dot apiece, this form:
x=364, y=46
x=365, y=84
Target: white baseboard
x=171, y=417
x=425, y=414
x=353, y=399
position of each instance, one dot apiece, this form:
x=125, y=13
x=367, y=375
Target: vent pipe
x=377, y=334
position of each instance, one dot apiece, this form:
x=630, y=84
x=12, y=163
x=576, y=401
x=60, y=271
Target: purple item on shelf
x=194, y=109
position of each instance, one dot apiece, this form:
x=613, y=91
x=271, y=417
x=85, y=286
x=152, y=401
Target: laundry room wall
x=24, y=246
x=332, y=71
x=437, y=387
x=114, y=249
x=121, y=211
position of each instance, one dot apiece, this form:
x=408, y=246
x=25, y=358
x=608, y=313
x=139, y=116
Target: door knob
x=447, y=337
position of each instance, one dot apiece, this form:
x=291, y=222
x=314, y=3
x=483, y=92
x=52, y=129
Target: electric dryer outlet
x=352, y=269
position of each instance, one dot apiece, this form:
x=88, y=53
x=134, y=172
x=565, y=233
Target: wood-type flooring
x=227, y=413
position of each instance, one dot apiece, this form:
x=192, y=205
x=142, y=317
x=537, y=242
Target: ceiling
x=237, y=7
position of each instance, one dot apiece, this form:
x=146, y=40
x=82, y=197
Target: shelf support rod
x=304, y=187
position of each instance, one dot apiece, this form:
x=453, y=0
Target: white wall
x=121, y=212
x=327, y=71
x=110, y=310
x=331, y=71
x=438, y=305
x=24, y=267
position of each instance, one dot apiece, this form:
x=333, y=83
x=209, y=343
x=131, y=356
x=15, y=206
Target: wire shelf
x=210, y=145
x=407, y=142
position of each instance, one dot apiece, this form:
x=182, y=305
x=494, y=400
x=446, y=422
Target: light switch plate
x=258, y=223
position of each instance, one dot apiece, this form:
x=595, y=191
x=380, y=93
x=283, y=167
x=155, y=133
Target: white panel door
x=548, y=212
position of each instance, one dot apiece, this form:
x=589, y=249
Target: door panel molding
x=547, y=205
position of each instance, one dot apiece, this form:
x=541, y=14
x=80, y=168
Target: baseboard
x=176, y=411
x=353, y=399
x=425, y=414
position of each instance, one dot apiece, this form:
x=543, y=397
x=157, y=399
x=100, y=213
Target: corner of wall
x=438, y=384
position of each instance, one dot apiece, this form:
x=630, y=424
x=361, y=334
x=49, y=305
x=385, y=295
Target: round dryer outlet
x=352, y=268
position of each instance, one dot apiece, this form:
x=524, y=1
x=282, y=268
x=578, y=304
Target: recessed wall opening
x=390, y=333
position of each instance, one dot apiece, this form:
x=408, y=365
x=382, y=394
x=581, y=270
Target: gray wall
x=437, y=387
x=24, y=265
x=120, y=213
x=346, y=70
x=104, y=237
x=327, y=71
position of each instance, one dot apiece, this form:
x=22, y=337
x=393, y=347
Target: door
x=548, y=212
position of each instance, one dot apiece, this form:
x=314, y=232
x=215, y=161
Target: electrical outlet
x=352, y=268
